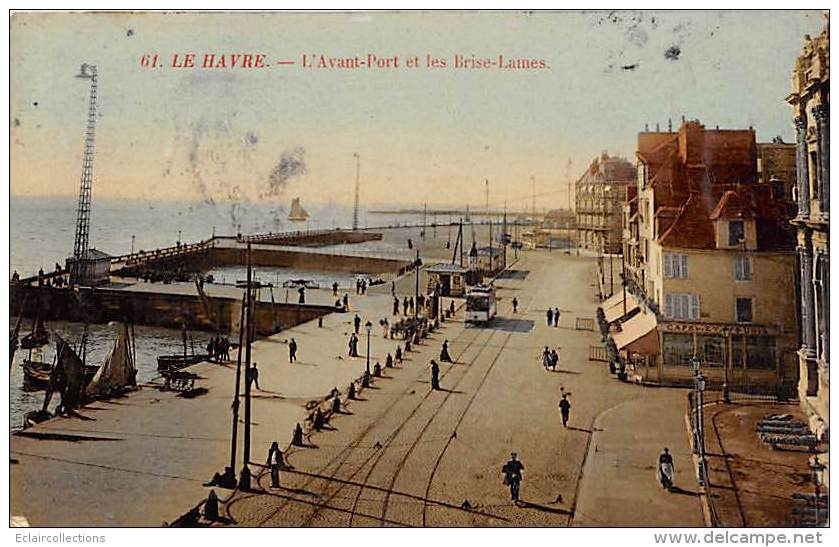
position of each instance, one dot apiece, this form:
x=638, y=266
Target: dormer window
x=736, y=233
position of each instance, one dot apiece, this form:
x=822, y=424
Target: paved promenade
x=402, y=455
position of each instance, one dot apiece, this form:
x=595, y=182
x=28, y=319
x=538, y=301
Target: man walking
x=335, y=288
x=546, y=357
x=550, y=316
x=275, y=462
x=292, y=351
x=435, y=375
x=515, y=305
x=346, y=302
x=512, y=476
x=395, y=305
x=356, y=323
x=556, y=317
x=565, y=409
x=302, y=292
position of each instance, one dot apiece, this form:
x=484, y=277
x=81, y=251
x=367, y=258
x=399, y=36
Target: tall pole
x=623, y=268
x=611, y=276
x=132, y=244
x=533, y=202
x=357, y=180
x=78, y=267
x=245, y=476
x=234, y=437
x=416, y=296
x=424, y=221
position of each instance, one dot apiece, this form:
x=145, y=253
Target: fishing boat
x=37, y=372
x=180, y=360
x=118, y=373
x=297, y=213
x=37, y=338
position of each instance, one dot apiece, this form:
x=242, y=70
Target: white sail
x=118, y=371
x=297, y=211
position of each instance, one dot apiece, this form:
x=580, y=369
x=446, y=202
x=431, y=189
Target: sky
x=423, y=135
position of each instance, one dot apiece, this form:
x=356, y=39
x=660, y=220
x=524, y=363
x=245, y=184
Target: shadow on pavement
x=508, y=324
x=530, y=505
x=513, y=274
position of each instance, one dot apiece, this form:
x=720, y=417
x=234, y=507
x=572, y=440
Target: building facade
x=599, y=195
x=709, y=254
x=810, y=101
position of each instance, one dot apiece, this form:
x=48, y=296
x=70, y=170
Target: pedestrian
x=226, y=349
x=411, y=304
x=451, y=308
x=292, y=351
x=211, y=349
x=565, y=409
x=393, y=288
x=546, y=358
x=357, y=287
x=399, y=354
x=389, y=361
x=255, y=376
x=405, y=306
x=554, y=359
x=346, y=302
x=385, y=327
x=351, y=391
x=297, y=437
x=407, y=344
x=275, y=462
x=556, y=317
x=335, y=288
x=211, y=506
x=665, y=469
x=356, y=323
x=512, y=475
x=395, y=305
x=302, y=292
x=515, y=304
x=336, y=405
x=435, y=375
x=444, y=353
x=377, y=370
x=550, y=316
x=318, y=420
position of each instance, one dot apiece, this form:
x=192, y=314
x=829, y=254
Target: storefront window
x=678, y=349
x=737, y=351
x=711, y=350
x=760, y=352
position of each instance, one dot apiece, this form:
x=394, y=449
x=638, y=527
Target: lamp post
x=726, y=397
x=699, y=420
x=368, y=326
x=132, y=244
x=817, y=470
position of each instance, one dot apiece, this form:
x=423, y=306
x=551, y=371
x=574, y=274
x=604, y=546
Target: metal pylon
x=80, y=246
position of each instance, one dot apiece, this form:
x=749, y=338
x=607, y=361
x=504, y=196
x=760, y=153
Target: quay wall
x=282, y=258
x=321, y=239
x=100, y=305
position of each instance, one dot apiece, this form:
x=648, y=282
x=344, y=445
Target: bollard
x=351, y=391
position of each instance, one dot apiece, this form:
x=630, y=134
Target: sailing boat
x=37, y=371
x=66, y=378
x=38, y=337
x=297, y=213
x=118, y=373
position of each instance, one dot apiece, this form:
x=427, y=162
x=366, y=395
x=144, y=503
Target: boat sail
x=297, y=213
x=38, y=337
x=119, y=372
x=67, y=378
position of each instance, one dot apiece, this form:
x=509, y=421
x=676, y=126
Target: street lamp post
x=132, y=244
x=368, y=326
x=699, y=420
x=817, y=470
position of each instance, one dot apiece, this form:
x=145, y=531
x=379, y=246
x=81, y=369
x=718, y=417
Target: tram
x=480, y=304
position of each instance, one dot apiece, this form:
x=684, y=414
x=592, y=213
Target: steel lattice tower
x=80, y=247
x=357, y=175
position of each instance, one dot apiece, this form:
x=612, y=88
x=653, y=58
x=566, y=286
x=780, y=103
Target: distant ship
x=297, y=213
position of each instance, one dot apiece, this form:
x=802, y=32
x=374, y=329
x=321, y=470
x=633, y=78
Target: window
x=681, y=306
x=711, y=350
x=736, y=233
x=675, y=266
x=744, y=310
x=742, y=268
x=760, y=352
x=678, y=349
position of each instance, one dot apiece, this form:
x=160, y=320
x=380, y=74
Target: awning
x=638, y=335
x=616, y=311
x=612, y=300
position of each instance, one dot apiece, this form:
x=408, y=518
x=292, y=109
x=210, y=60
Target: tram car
x=480, y=304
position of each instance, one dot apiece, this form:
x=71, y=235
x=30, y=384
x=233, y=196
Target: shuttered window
x=675, y=266
x=682, y=306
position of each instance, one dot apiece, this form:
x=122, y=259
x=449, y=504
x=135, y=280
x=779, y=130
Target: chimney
x=692, y=142
x=646, y=128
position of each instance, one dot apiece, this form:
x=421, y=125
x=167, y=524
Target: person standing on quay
x=515, y=305
x=275, y=462
x=550, y=316
x=395, y=305
x=335, y=288
x=346, y=302
x=356, y=323
x=556, y=317
x=292, y=351
x=302, y=292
